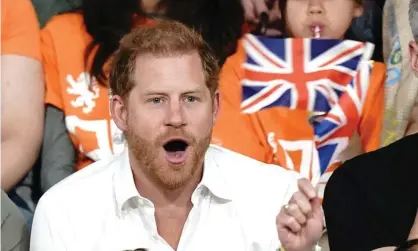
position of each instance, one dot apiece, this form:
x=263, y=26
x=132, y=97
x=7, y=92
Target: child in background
x=261, y=135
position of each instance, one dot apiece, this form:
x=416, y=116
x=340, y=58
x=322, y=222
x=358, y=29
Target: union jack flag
x=329, y=77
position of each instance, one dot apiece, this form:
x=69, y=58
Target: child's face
x=333, y=17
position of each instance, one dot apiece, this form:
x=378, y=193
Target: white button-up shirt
x=99, y=208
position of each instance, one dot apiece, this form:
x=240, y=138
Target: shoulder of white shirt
x=251, y=177
x=235, y=163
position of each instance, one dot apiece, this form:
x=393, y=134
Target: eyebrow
x=161, y=93
x=155, y=93
x=192, y=92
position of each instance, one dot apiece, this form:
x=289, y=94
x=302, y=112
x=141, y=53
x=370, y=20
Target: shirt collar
x=123, y=181
x=124, y=186
x=213, y=178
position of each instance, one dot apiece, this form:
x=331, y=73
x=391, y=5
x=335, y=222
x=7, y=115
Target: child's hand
x=253, y=9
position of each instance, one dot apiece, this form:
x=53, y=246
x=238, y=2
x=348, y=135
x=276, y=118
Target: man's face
x=333, y=17
x=169, y=117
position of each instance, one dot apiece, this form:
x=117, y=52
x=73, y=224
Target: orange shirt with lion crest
x=70, y=87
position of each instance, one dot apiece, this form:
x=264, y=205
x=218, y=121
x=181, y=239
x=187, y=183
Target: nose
x=175, y=115
x=315, y=7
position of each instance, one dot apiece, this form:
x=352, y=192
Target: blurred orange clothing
x=263, y=134
x=71, y=88
x=19, y=29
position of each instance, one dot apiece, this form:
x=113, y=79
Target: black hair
x=107, y=21
x=219, y=21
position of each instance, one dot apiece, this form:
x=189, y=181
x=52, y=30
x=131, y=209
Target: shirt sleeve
x=371, y=123
x=53, y=94
x=20, y=29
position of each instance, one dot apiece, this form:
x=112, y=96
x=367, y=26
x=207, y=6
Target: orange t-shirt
x=280, y=135
x=19, y=29
x=70, y=88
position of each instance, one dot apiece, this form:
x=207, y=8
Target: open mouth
x=176, y=150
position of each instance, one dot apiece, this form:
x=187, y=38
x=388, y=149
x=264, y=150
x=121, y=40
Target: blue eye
x=191, y=99
x=156, y=100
